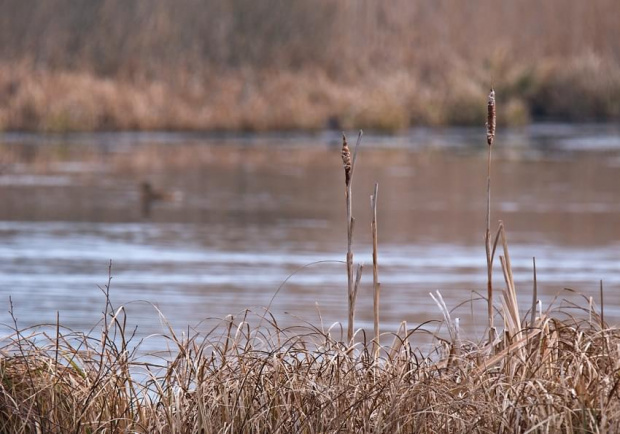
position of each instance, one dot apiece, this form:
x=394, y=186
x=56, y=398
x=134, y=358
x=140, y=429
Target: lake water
x=250, y=221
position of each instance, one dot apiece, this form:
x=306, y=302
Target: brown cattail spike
x=491, y=118
x=346, y=160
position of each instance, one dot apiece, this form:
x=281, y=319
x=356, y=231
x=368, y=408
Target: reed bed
x=582, y=88
x=242, y=64
x=553, y=370
x=560, y=374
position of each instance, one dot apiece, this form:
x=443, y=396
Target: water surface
x=256, y=221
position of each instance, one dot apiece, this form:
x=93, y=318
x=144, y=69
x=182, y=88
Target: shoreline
x=308, y=100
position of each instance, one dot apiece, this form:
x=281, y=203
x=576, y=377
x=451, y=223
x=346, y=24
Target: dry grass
x=556, y=375
x=583, y=89
x=268, y=65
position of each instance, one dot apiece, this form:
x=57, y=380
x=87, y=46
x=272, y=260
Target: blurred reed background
x=296, y=64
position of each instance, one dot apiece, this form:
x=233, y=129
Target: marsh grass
x=559, y=374
x=242, y=64
x=583, y=88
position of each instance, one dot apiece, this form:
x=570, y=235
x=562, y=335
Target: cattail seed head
x=491, y=118
x=346, y=160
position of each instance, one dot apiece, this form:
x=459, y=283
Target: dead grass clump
x=560, y=375
x=64, y=385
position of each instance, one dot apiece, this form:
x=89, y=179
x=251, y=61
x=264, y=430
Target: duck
x=149, y=195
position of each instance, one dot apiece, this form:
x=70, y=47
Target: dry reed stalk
x=602, y=305
x=512, y=318
x=534, y=295
x=348, y=168
x=375, y=268
x=452, y=325
x=348, y=162
x=400, y=343
x=491, y=122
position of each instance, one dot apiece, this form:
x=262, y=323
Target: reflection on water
x=233, y=221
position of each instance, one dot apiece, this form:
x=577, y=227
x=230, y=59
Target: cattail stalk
x=375, y=268
x=602, y=306
x=491, y=118
x=348, y=162
x=534, y=295
x=491, y=123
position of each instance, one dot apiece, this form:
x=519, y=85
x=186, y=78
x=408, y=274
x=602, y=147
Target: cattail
x=491, y=118
x=346, y=160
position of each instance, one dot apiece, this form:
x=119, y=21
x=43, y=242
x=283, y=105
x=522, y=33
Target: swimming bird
x=149, y=195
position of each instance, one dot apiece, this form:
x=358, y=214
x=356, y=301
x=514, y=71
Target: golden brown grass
x=579, y=89
x=241, y=64
x=559, y=374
